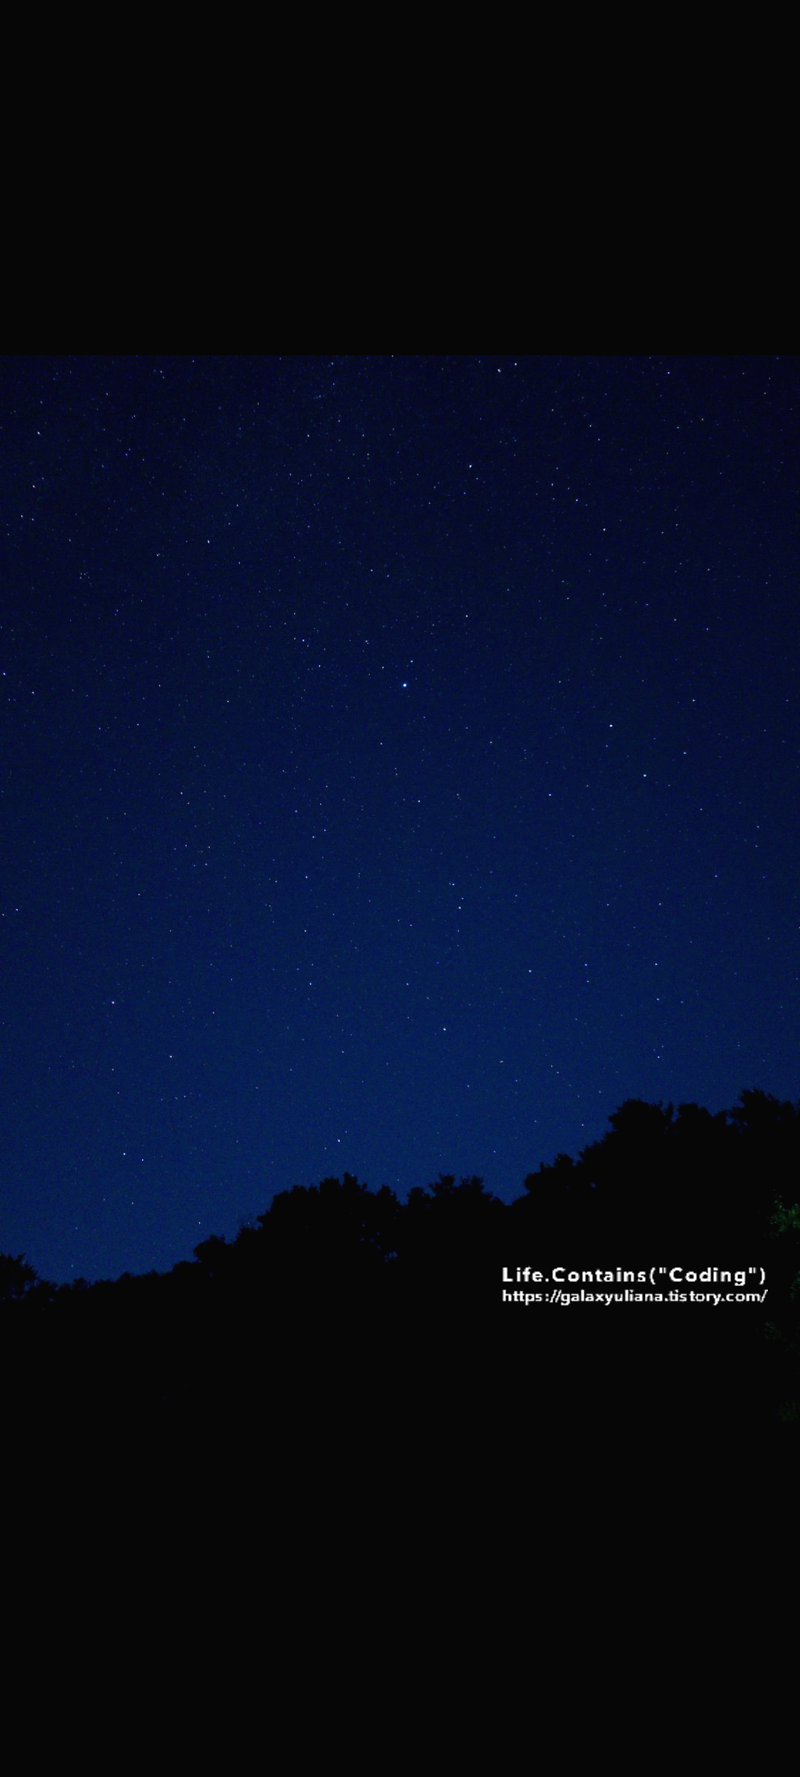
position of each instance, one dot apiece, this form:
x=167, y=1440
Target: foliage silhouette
x=17, y=1277
x=349, y=1301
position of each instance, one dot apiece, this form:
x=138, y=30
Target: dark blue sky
x=400, y=768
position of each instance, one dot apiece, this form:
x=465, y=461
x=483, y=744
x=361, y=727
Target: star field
x=400, y=770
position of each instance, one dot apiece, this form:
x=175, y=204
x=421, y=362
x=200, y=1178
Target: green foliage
x=783, y=1219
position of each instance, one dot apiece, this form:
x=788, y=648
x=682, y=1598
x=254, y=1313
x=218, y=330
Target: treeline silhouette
x=342, y=1306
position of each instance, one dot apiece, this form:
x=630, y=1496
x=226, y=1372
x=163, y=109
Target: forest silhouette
x=345, y=1307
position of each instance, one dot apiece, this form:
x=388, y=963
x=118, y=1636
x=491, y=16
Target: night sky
x=399, y=771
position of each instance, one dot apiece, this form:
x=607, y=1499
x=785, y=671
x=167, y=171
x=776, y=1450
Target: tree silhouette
x=339, y=1302
x=17, y=1277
